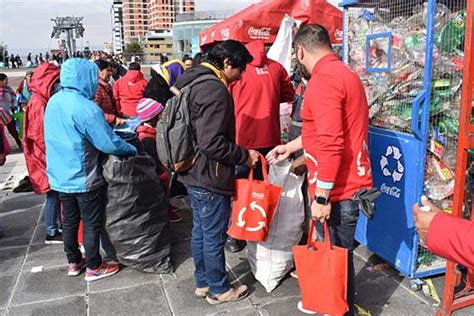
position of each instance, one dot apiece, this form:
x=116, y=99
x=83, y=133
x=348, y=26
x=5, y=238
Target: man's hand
x=423, y=216
x=278, y=154
x=3, y=159
x=298, y=166
x=119, y=121
x=320, y=212
x=253, y=158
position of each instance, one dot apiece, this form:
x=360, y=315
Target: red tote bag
x=255, y=203
x=322, y=275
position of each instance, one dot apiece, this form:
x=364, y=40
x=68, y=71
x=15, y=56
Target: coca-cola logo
x=391, y=191
x=225, y=34
x=338, y=34
x=259, y=33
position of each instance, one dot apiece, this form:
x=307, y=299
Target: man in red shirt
x=128, y=91
x=334, y=138
x=257, y=97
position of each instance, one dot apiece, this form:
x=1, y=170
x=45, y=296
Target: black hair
x=187, y=57
x=313, y=37
x=3, y=76
x=234, y=51
x=134, y=66
x=102, y=64
x=197, y=59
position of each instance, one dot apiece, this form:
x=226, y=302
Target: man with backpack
x=210, y=179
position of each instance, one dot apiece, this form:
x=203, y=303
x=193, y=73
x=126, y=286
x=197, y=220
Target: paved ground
x=50, y=292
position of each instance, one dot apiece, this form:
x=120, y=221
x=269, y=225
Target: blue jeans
x=52, y=212
x=211, y=213
x=342, y=226
x=89, y=206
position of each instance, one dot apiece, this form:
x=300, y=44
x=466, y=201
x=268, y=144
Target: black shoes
x=233, y=245
x=54, y=240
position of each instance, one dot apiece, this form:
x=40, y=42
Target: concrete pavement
x=33, y=277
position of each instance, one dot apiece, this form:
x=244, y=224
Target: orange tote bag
x=255, y=203
x=322, y=274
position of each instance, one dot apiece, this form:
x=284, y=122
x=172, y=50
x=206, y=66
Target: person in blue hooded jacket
x=76, y=133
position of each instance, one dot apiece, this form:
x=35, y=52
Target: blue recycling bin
x=400, y=49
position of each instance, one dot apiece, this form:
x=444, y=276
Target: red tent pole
x=453, y=301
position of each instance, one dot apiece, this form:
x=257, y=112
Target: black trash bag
x=137, y=213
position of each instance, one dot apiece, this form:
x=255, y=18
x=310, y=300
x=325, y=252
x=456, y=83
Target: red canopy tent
x=261, y=21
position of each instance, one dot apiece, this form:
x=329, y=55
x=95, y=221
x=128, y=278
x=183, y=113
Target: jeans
x=342, y=226
x=52, y=212
x=211, y=213
x=89, y=206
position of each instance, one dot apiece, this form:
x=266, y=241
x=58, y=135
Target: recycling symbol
x=392, y=152
x=254, y=207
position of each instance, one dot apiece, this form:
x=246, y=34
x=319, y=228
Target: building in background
x=157, y=43
x=162, y=13
x=135, y=20
x=117, y=26
x=187, y=27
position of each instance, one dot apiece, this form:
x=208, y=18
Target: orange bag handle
x=264, y=169
x=327, y=237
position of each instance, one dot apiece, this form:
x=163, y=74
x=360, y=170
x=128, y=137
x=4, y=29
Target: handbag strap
x=263, y=161
x=327, y=237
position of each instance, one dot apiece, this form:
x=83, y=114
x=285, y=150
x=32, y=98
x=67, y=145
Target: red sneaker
x=174, y=217
x=74, y=269
x=102, y=271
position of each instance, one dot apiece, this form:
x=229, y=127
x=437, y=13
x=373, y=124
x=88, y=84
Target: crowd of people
x=72, y=108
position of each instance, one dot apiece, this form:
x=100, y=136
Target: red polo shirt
x=335, y=130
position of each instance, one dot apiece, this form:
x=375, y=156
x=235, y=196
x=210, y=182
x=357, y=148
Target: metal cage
x=410, y=57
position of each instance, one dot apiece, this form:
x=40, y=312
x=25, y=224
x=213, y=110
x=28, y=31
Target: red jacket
x=257, y=97
x=42, y=83
x=105, y=99
x=452, y=238
x=335, y=130
x=128, y=90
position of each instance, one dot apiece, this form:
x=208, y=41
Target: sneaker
x=233, y=245
x=294, y=274
x=232, y=295
x=74, y=269
x=174, y=217
x=201, y=292
x=303, y=310
x=102, y=271
x=54, y=240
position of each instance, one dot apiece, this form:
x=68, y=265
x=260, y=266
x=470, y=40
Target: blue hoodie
x=75, y=131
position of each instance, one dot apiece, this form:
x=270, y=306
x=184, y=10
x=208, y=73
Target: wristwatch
x=322, y=200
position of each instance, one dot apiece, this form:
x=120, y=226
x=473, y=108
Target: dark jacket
x=157, y=88
x=212, y=112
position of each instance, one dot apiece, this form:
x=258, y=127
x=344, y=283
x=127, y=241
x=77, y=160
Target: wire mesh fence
x=387, y=47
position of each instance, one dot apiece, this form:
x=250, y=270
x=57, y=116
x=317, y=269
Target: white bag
x=271, y=260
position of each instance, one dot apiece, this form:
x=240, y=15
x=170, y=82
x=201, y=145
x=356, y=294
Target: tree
x=134, y=48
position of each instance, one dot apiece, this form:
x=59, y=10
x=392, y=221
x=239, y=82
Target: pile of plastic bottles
x=391, y=94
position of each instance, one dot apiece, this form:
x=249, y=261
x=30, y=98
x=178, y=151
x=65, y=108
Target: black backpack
x=175, y=140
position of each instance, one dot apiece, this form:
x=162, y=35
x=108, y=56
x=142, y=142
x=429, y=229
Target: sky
x=25, y=24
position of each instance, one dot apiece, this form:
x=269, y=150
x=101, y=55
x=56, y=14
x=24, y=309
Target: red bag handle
x=327, y=238
x=264, y=169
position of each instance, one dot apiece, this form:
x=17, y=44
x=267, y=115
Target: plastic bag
x=271, y=260
x=137, y=213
